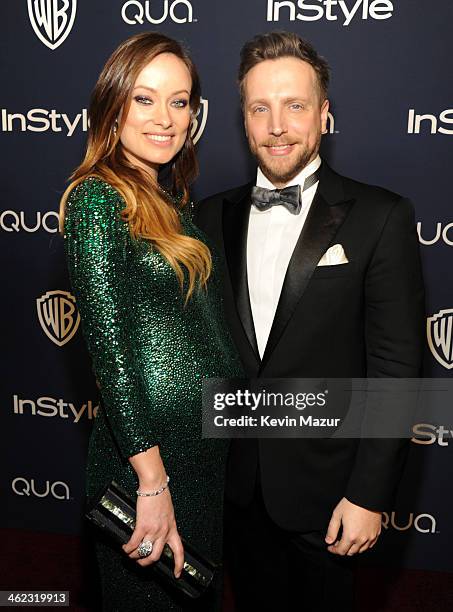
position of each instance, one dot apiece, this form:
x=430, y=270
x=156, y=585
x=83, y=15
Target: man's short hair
x=275, y=45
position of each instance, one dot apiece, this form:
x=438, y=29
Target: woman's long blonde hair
x=147, y=211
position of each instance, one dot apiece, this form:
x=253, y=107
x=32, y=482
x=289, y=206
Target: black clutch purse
x=114, y=512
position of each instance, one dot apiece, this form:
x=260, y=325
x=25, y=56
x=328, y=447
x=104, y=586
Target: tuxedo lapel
x=236, y=212
x=328, y=210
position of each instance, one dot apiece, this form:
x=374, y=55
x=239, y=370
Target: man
x=324, y=281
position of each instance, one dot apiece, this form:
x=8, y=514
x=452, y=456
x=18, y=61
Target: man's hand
x=361, y=529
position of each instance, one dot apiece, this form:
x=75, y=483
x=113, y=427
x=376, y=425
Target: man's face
x=284, y=117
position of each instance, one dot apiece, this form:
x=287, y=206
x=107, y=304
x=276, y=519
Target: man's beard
x=285, y=174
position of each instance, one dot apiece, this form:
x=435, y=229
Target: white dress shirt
x=272, y=236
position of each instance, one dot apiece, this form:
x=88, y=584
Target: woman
x=148, y=295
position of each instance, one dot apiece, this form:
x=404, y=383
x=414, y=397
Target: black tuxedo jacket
x=360, y=319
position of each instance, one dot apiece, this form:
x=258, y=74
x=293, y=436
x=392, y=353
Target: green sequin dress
x=150, y=354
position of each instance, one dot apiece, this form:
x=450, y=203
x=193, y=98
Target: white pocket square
x=333, y=256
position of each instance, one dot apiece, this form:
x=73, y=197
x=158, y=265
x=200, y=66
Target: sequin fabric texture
x=150, y=354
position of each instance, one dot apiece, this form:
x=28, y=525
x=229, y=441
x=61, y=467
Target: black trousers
x=283, y=571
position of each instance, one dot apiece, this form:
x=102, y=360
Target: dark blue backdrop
x=391, y=124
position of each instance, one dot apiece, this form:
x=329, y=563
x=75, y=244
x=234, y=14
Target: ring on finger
x=145, y=548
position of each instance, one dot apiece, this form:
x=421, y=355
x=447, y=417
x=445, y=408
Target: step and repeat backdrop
x=391, y=124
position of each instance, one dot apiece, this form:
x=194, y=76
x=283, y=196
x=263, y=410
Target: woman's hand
x=156, y=522
x=155, y=519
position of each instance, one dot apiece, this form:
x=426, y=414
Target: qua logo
x=414, y=122
x=52, y=20
x=58, y=489
x=439, y=330
x=199, y=121
x=423, y=523
x=440, y=234
x=12, y=221
x=331, y=10
x=58, y=316
x=136, y=12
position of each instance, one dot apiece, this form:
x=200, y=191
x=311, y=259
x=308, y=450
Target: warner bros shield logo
x=439, y=330
x=199, y=121
x=58, y=316
x=52, y=20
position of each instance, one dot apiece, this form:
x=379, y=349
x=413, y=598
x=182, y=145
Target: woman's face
x=159, y=116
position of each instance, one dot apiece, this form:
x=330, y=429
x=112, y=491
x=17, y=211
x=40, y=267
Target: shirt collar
x=262, y=181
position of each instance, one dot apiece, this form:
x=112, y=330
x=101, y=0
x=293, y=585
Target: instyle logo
x=43, y=120
x=12, y=221
x=439, y=330
x=58, y=316
x=52, y=20
x=24, y=486
x=425, y=433
x=136, y=12
x=431, y=123
x=441, y=233
x=331, y=124
x=331, y=10
x=54, y=407
x=423, y=523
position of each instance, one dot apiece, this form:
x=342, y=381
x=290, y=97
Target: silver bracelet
x=156, y=492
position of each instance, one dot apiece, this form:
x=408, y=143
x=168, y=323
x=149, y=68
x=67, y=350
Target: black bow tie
x=289, y=197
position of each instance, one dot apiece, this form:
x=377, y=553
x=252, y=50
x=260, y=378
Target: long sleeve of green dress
x=97, y=245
